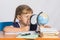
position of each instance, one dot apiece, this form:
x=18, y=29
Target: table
x=2, y=35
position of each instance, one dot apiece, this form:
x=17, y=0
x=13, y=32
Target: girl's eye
x=26, y=16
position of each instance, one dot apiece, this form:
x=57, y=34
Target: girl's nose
x=28, y=18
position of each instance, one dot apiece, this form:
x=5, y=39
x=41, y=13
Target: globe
x=42, y=18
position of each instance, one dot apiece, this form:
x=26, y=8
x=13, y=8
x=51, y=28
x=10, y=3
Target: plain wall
x=51, y=7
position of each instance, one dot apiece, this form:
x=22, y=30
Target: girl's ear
x=18, y=17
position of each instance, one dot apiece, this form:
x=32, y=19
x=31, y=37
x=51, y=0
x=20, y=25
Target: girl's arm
x=13, y=29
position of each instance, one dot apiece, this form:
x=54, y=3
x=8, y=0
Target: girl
x=23, y=14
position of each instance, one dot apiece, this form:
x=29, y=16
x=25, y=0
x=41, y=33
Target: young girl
x=23, y=14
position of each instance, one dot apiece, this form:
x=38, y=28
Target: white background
x=52, y=7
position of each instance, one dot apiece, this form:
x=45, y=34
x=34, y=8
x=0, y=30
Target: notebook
x=28, y=36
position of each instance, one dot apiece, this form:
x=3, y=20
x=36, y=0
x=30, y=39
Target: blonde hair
x=22, y=9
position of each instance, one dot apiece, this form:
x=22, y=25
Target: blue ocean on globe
x=43, y=18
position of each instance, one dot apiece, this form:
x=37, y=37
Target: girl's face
x=25, y=18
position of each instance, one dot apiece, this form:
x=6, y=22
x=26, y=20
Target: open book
x=29, y=35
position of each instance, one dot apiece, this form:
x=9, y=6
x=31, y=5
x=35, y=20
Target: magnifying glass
x=33, y=22
x=33, y=19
